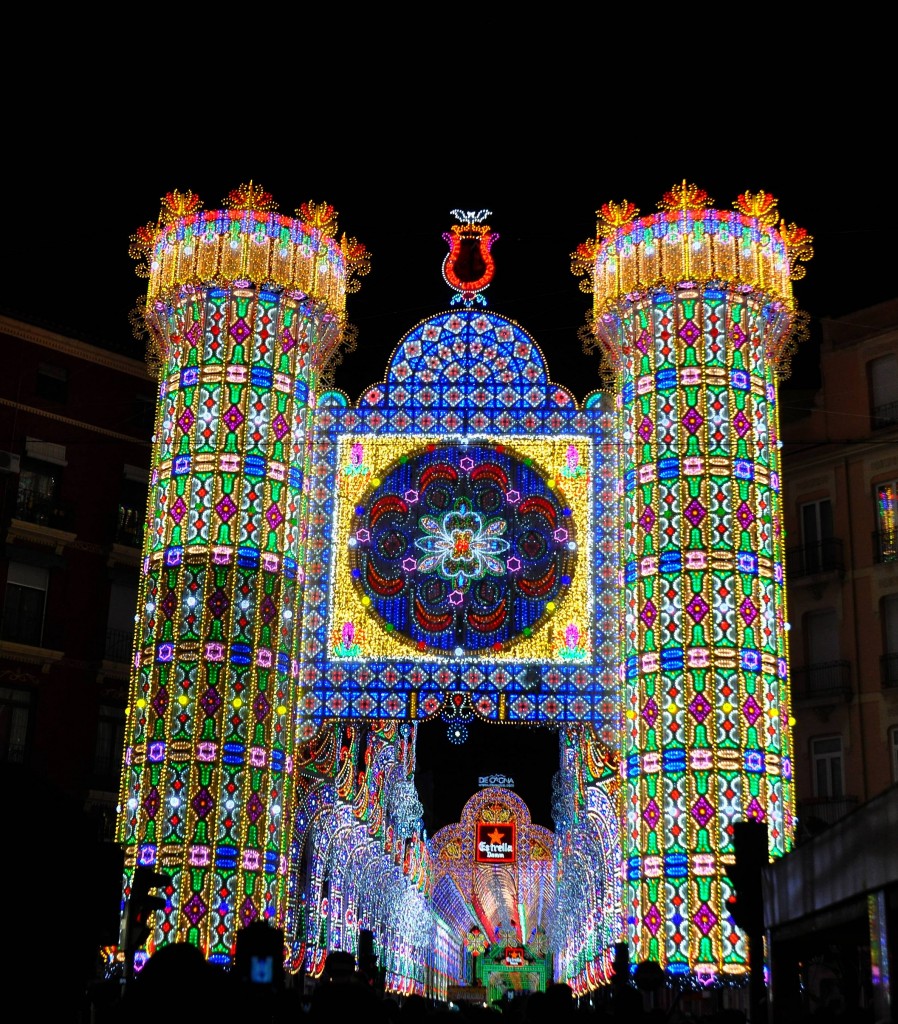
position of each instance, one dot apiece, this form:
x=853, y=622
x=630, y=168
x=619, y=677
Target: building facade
x=841, y=472
x=833, y=906
x=75, y=426
x=75, y=429
x=466, y=540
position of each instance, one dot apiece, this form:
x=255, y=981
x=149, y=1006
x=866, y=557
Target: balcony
x=118, y=645
x=888, y=667
x=885, y=546
x=117, y=654
x=824, y=557
x=818, y=813
x=129, y=527
x=822, y=684
x=44, y=510
x=885, y=416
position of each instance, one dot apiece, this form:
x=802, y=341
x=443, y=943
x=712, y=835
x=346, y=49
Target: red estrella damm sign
x=495, y=842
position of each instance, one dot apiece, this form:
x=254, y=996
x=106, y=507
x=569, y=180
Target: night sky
x=541, y=150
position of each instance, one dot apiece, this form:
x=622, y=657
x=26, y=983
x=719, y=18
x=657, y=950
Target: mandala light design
x=537, y=643
x=463, y=548
x=693, y=309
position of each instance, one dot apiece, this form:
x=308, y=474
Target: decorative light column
x=245, y=307
x=694, y=312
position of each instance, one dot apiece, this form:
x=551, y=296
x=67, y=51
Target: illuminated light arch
x=509, y=901
x=262, y=673
x=588, y=919
x=366, y=864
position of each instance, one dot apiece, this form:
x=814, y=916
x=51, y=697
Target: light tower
x=245, y=311
x=694, y=314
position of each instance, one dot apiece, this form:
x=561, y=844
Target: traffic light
x=750, y=857
x=142, y=905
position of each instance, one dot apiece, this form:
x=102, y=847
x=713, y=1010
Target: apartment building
x=75, y=439
x=831, y=906
x=840, y=473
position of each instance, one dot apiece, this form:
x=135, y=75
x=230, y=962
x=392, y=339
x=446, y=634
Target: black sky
x=398, y=144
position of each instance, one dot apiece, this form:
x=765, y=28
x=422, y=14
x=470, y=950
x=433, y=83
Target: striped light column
x=244, y=309
x=694, y=313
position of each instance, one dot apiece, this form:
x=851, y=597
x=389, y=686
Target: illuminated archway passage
x=693, y=309
x=465, y=540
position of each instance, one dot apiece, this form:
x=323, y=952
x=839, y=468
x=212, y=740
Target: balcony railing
x=888, y=664
x=885, y=415
x=44, y=510
x=823, y=681
x=129, y=527
x=813, y=559
x=885, y=545
x=118, y=645
x=817, y=813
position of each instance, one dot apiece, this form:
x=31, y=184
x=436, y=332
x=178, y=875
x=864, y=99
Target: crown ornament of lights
x=248, y=240
x=688, y=241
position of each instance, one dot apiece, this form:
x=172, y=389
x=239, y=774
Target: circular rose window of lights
x=462, y=549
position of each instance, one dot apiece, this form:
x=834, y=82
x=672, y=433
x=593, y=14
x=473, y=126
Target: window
x=132, y=507
x=821, y=637
x=40, y=484
x=144, y=414
x=120, y=622
x=15, y=715
x=824, y=674
x=883, y=374
x=52, y=382
x=826, y=758
x=36, y=497
x=889, y=613
x=109, y=746
x=23, y=606
x=818, y=549
x=887, y=520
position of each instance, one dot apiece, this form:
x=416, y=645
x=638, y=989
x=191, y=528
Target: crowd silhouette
x=179, y=985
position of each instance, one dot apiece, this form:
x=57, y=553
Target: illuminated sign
x=496, y=780
x=495, y=842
